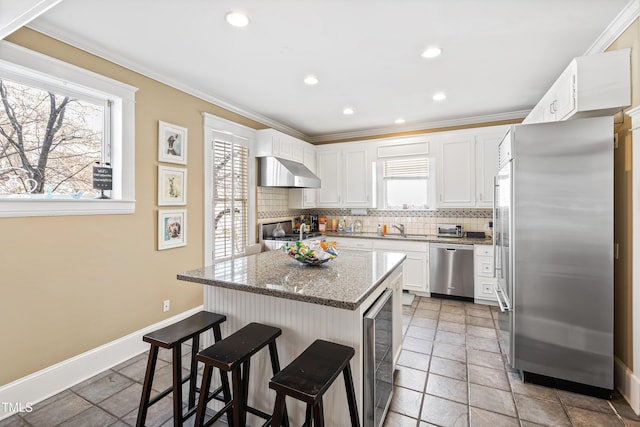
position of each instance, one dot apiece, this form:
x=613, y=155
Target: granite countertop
x=344, y=282
x=414, y=238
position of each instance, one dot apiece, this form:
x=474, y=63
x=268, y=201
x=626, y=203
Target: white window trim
x=217, y=124
x=14, y=58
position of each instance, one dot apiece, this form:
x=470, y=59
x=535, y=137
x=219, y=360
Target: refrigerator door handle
x=495, y=194
x=503, y=308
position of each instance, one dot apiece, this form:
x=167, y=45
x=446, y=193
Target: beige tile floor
x=450, y=373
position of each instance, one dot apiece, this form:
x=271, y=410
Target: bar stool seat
x=233, y=354
x=172, y=337
x=309, y=376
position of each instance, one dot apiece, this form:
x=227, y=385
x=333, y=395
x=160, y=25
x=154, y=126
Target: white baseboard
x=36, y=387
x=628, y=384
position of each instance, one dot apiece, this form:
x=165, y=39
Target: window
x=230, y=198
x=49, y=142
x=406, y=183
x=55, y=127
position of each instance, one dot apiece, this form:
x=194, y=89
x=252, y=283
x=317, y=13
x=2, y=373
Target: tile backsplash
x=274, y=203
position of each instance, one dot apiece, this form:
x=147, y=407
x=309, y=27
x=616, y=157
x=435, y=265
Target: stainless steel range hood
x=277, y=172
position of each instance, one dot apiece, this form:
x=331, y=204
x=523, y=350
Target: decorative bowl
x=310, y=253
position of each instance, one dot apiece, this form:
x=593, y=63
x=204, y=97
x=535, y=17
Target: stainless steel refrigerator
x=554, y=252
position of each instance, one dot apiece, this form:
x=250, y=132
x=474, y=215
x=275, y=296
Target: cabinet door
x=283, y=146
x=301, y=198
x=357, y=177
x=415, y=269
x=486, y=168
x=565, y=99
x=457, y=174
x=328, y=169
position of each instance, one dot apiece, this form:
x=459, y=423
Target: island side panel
x=301, y=324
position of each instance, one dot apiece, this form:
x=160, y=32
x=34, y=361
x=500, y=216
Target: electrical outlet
x=166, y=305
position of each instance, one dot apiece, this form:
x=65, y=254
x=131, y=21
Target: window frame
x=243, y=135
x=19, y=61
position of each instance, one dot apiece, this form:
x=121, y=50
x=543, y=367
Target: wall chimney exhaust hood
x=277, y=172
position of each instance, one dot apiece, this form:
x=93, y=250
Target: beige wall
x=72, y=283
x=623, y=209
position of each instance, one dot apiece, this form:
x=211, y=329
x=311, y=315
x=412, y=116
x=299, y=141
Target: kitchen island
x=308, y=303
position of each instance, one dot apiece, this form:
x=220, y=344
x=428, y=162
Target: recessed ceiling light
x=237, y=19
x=347, y=111
x=439, y=96
x=311, y=80
x=399, y=121
x=432, y=52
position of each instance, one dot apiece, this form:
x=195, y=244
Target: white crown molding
x=521, y=114
x=634, y=113
x=155, y=75
x=619, y=24
x=18, y=13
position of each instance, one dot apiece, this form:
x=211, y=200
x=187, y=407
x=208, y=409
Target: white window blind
x=407, y=168
x=230, y=199
x=406, y=183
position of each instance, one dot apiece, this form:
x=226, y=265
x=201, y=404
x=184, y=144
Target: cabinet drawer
x=483, y=250
x=484, y=289
x=484, y=267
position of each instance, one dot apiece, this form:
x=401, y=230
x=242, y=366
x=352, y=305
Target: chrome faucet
x=400, y=227
x=303, y=226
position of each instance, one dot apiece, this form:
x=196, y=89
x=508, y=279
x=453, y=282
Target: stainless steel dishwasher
x=451, y=269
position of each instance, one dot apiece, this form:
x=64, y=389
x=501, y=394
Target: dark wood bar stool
x=233, y=354
x=309, y=376
x=172, y=337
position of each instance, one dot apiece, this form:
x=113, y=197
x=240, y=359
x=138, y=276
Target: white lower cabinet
x=416, y=265
x=484, y=279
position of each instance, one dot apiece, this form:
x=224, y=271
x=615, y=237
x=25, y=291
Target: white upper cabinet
x=302, y=198
x=329, y=170
x=357, y=175
x=486, y=150
x=270, y=142
x=466, y=164
x=456, y=173
x=345, y=171
x=590, y=85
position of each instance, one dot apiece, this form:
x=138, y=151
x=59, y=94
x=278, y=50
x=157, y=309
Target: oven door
x=378, y=360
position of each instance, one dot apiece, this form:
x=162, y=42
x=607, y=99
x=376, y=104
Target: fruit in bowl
x=315, y=252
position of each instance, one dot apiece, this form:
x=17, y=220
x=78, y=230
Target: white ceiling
x=499, y=56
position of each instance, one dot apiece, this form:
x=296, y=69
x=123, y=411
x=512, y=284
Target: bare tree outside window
x=48, y=141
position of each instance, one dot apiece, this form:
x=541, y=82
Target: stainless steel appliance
x=451, y=269
x=448, y=230
x=554, y=252
x=378, y=360
x=272, y=239
x=277, y=172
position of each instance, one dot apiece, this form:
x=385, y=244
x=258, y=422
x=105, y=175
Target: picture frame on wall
x=172, y=186
x=172, y=228
x=172, y=143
